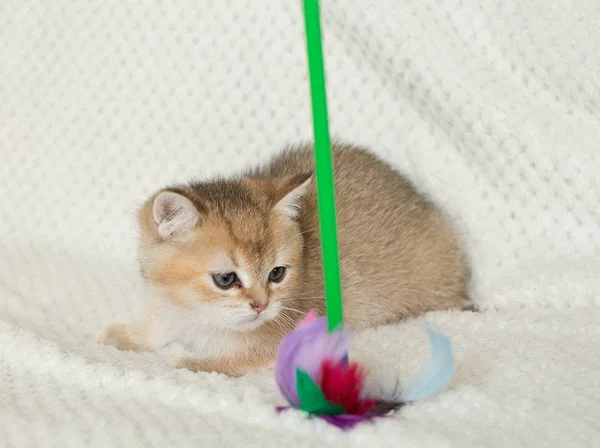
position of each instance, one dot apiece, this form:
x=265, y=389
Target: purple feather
x=306, y=348
x=344, y=421
x=347, y=421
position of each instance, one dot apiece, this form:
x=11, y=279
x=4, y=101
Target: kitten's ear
x=174, y=214
x=292, y=190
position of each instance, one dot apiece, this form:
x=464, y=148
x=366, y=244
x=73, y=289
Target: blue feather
x=435, y=373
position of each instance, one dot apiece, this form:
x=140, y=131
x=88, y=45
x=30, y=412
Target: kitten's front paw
x=193, y=364
x=206, y=365
x=121, y=336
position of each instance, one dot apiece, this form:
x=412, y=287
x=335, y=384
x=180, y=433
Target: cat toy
x=312, y=368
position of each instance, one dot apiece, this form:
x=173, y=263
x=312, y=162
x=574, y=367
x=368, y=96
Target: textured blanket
x=490, y=107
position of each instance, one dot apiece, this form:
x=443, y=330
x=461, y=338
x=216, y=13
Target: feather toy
x=314, y=375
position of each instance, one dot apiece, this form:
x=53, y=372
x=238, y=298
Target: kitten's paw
x=193, y=364
x=121, y=336
x=207, y=365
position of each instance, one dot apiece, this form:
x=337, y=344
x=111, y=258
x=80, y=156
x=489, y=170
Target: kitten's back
x=399, y=254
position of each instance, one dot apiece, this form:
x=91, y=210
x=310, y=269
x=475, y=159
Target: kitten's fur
x=399, y=258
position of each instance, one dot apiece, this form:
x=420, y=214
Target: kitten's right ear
x=292, y=189
x=174, y=214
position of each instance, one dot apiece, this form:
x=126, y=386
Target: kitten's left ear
x=292, y=190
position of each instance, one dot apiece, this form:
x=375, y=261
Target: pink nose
x=259, y=307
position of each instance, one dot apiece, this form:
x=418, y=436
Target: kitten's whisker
x=294, y=310
x=303, y=298
x=289, y=320
x=285, y=321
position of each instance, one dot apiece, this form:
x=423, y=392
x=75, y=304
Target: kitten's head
x=229, y=250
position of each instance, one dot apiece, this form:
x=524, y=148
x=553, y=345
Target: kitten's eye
x=226, y=280
x=277, y=274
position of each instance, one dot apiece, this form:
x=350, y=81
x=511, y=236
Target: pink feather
x=342, y=383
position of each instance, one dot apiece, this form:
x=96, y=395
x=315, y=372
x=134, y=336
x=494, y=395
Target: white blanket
x=491, y=107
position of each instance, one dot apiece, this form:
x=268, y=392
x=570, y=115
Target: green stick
x=324, y=166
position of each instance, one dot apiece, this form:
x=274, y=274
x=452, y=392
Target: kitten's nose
x=259, y=307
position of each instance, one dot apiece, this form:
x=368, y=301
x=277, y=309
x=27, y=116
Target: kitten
x=233, y=264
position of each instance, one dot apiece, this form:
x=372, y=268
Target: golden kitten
x=234, y=263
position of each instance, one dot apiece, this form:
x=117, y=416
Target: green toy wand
x=323, y=166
